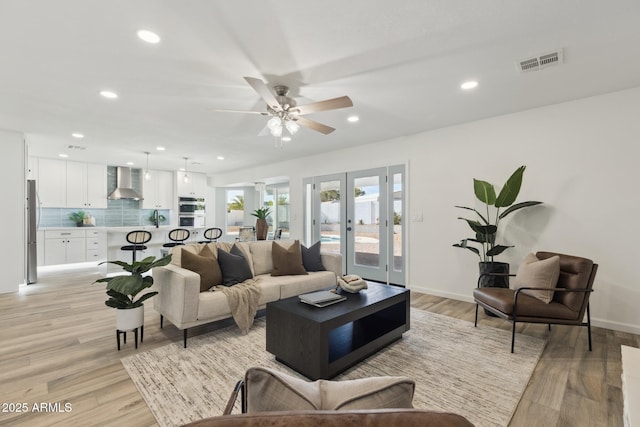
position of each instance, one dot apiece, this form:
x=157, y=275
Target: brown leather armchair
x=354, y=418
x=568, y=306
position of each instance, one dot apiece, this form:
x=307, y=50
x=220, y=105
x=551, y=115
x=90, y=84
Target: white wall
x=12, y=194
x=581, y=159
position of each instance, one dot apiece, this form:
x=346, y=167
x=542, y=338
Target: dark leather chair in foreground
x=272, y=398
x=353, y=418
x=567, y=306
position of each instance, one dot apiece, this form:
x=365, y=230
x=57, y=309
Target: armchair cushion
x=206, y=265
x=269, y=390
x=536, y=273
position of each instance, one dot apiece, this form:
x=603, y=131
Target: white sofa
x=180, y=301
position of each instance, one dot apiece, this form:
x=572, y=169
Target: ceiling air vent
x=76, y=147
x=539, y=62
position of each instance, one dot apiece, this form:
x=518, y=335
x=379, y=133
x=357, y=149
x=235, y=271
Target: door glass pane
x=269, y=198
x=366, y=217
x=396, y=242
x=330, y=216
x=235, y=211
x=308, y=213
x=282, y=211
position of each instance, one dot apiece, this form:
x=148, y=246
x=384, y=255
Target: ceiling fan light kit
x=285, y=113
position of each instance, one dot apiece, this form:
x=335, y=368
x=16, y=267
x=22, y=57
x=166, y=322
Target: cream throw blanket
x=243, y=300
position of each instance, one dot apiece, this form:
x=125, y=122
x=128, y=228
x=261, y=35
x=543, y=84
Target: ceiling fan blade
x=263, y=113
x=329, y=104
x=264, y=92
x=312, y=124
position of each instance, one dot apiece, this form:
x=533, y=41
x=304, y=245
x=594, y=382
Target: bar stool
x=177, y=237
x=137, y=240
x=212, y=235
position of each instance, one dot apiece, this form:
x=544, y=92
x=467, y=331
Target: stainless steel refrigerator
x=32, y=232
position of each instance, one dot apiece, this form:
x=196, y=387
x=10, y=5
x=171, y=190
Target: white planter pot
x=129, y=319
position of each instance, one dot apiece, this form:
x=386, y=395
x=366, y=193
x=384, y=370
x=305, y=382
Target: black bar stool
x=137, y=240
x=212, y=235
x=177, y=237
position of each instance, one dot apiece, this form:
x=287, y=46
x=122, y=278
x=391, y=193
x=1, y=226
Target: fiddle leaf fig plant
x=486, y=226
x=122, y=290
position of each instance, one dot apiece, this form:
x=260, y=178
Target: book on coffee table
x=321, y=298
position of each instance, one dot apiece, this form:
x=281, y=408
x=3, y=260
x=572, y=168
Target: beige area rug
x=457, y=368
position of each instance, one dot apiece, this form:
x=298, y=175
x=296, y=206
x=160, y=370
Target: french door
x=359, y=214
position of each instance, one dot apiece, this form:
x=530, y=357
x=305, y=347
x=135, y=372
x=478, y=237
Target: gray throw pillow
x=235, y=268
x=311, y=258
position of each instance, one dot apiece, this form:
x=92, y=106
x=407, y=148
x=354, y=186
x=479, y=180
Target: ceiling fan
x=286, y=114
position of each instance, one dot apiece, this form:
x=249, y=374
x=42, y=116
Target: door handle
x=348, y=228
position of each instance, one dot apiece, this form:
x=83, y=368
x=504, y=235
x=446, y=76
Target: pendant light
x=185, y=178
x=147, y=174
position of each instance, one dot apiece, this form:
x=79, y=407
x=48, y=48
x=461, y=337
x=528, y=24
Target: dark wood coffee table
x=322, y=342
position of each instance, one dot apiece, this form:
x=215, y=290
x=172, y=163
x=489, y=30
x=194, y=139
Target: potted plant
x=486, y=228
x=77, y=217
x=262, y=227
x=123, y=290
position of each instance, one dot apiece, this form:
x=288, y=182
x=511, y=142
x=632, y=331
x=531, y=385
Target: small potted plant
x=486, y=229
x=77, y=217
x=262, y=227
x=123, y=290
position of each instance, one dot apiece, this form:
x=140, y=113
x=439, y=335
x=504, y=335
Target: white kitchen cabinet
x=64, y=247
x=67, y=246
x=157, y=192
x=196, y=187
x=86, y=185
x=96, y=245
x=52, y=185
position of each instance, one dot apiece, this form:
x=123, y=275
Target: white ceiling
x=400, y=61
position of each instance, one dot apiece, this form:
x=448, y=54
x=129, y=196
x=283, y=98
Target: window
x=277, y=199
x=235, y=211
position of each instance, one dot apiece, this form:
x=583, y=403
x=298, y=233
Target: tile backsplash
x=119, y=213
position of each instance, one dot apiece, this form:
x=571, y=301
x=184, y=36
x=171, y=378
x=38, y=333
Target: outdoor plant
x=486, y=227
x=261, y=213
x=122, y=290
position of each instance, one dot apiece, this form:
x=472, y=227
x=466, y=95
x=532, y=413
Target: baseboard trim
x=597, y=322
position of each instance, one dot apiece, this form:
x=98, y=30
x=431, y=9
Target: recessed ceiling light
x=63, y=155
x=353, y=119
x=286, y=138
x=469, y=84
x=160, y=148
x=108, y=94
x=130, y=163
x=182, y=169
x=77, y=135
x=220, y=157
x=148, y=36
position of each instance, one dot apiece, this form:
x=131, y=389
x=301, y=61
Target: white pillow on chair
x=537, y=273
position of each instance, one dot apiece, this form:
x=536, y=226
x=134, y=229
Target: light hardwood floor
x=57, y=345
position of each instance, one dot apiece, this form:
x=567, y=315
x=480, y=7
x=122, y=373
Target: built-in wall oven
x=191, y=211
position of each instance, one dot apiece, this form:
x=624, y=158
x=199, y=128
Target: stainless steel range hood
x=124, y=189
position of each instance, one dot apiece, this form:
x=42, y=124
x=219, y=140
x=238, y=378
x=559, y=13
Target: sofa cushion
x=538, y=274
x=311, y=258
x=176, y=252
x=261, y=254
x=215, y=305
x=270, y=390
x=206, y=265
x=235, y=268
x=287, y=262
x=291, y=286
